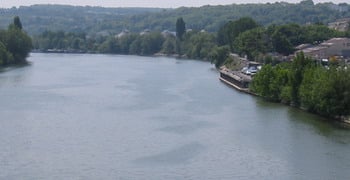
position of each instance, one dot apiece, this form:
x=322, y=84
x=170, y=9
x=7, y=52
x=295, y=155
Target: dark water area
x=69, y=116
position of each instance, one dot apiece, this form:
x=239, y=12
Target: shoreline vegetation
x=306, y=84
x=286, y=76
x=15, y=44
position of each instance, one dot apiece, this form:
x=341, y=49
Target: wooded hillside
x=102, y=21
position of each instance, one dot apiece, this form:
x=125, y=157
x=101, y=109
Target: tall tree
x=18, y=43
x=296, y=77
x=231, y=30
x=180, y=28
x=17, y=22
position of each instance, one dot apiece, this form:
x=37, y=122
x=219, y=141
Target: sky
x=144, y=3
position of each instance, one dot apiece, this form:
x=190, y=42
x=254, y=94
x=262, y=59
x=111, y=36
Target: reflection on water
x=186, y=128
x=322, y=125
x=14, y=75
x=126, y=117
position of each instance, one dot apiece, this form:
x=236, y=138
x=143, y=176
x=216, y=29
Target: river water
x=128, y=117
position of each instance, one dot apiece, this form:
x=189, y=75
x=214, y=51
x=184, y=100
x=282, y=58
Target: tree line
x=15, y=44
x=191, y=44
x=244, y=36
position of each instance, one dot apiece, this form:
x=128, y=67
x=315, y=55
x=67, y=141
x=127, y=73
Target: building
x=333, y=47
x=145, y=32
x=167, y=33
x=123, y=33
x=340, y=25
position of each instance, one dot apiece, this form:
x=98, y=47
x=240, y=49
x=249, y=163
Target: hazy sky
x=143, y=3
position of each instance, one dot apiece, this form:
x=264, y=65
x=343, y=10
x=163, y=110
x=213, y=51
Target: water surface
x=128, y=117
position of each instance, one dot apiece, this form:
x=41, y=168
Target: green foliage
x=299, y=64
x=125, y=42
x=314, y=88
x=326, y=91
x=62, y=40
x=307, y=85
x=4, y=54
x=281, y=43
x=147, y=44
x=317, y=33
x=270, y=82
x=252, y=43
x=17, y=22
x=220, y=55
x=93, y=20
x=198, y=45
x=109, y=46
x=169, y=46
x=18, y=44
x=228, y=33
x=15, y=44
x=180, y=28
x=285, y=37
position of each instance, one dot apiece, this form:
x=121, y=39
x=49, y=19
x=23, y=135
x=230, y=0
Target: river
x=68, y=116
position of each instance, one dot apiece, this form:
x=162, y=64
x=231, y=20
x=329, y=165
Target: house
x=337, y=47
x=123, y=33
x=145, y=32
x=330, y=48
x=340, y=25
x=167, y=33
x=303, y=46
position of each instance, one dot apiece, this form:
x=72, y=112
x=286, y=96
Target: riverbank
x=241, y=82
x=14, y=65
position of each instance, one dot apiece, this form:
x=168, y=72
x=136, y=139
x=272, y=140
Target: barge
x=236, y=79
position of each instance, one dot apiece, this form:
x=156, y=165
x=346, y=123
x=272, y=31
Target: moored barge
x=236, y=79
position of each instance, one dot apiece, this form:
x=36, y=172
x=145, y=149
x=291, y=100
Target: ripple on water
x=178, y=155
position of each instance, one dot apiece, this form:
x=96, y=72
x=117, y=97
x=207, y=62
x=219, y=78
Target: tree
x=125, y=42
x=109, y=46
x=281, y=44
x=307, y=3
x=219, y=55
x=199, y=45
x=228, y=34
x=169, y=45
x=17, y=22
x=252, y=43
x=292, y=33
x=326, y=91
x=17, y=42
x=313, y=89
x=151, y=43
x=299, y=64
x=180, y=28
x=4, y=55
x=318, y=33
x=270, y=82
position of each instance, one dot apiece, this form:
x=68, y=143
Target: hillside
x=38, y=18
x=92, y=20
